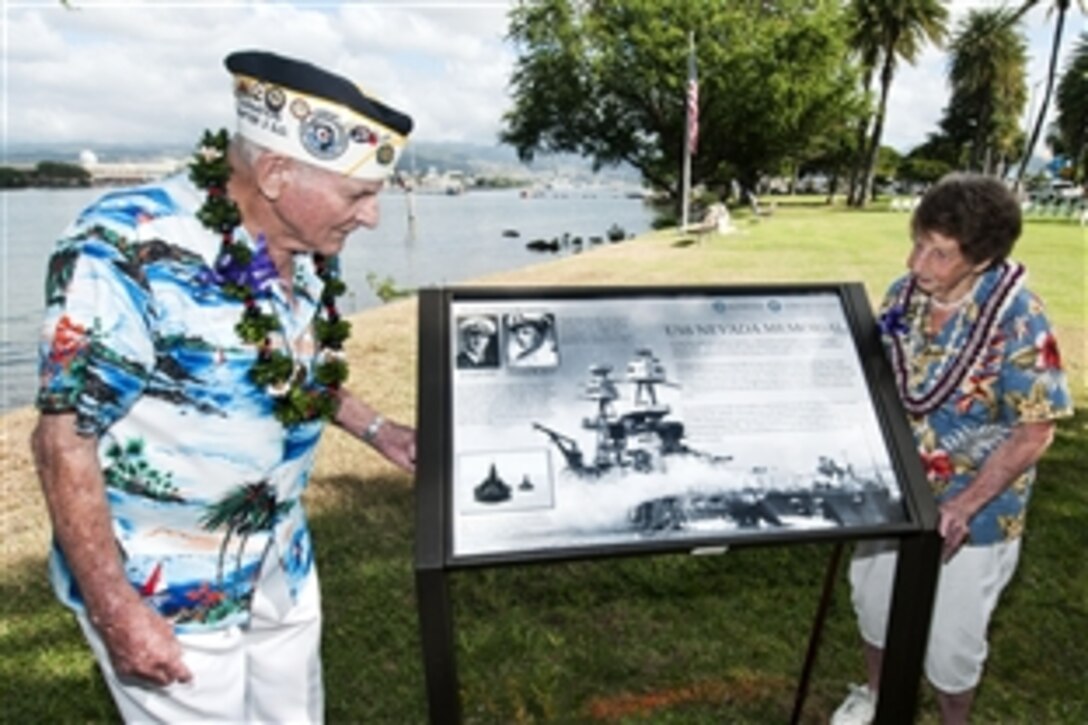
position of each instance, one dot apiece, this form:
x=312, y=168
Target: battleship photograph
x=640, y=437
x=644, y=438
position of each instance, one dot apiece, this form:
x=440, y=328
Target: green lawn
x=666, y=639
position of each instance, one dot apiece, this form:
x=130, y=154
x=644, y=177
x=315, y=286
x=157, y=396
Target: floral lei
x=988, y=309
x=244, y=274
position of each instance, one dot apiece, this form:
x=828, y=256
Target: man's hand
x=397, y=443
x=140, y=642
x=394, y=441
x=142, y=645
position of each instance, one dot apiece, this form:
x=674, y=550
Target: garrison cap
x=305, y=112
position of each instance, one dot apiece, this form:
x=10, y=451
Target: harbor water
x=422, y=240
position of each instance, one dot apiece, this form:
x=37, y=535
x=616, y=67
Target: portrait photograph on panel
x=531, y=340
x=477, y=342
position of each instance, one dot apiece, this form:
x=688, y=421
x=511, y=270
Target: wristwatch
x=370, y=433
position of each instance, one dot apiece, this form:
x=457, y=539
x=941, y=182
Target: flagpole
x=690, y=116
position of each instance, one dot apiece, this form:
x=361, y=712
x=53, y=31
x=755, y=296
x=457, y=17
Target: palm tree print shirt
x=139, y=342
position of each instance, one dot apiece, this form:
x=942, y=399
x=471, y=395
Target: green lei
x=296, y=400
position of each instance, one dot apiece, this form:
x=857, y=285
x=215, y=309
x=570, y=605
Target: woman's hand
x=954, y=526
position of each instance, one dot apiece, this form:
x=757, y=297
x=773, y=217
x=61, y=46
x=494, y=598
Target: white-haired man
x=191, y=354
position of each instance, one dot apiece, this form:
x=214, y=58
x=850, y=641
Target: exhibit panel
x=590, y=421
x=571, y=423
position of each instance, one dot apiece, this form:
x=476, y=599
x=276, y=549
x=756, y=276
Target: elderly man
x=191, y=355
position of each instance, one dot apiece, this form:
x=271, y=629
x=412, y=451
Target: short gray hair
x=248, y=151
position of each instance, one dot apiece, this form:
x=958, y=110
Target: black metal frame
x=919, y=543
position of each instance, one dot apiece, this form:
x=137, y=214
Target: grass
x=666, y=639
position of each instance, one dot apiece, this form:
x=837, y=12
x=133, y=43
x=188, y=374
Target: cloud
x=147, y=72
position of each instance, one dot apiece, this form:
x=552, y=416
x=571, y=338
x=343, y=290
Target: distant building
x=124, y=173
x=450, y=182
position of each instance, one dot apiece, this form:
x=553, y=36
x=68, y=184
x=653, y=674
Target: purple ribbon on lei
x=893, y=321
x=256, y=275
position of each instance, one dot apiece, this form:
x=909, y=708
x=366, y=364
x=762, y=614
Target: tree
x=12, y=178
x=864, y=40
x=940, y=147
x=920, y=170
x=58, y=173
x=987, y=73
x=1072, y=103
x=902, y=27
x=831, y=156
x=606, y=78
x=887, y=162
x=1062, y=6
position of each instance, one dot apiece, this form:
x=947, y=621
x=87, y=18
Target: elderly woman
x=979, y=374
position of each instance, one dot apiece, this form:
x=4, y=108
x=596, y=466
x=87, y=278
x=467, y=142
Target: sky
x=150, y=72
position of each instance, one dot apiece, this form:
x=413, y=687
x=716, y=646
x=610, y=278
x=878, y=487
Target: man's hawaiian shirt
x=139, y=342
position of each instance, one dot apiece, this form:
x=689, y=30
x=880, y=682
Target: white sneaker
x=859, y=707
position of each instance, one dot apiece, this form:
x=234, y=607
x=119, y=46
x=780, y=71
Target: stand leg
x=908, y=627
x=436, y=632
x=830, y=576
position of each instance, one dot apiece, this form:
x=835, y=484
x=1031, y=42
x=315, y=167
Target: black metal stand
x=830, y=577
x=439, y=660
x=908, y=627
x=432, y=578
x=908, y=630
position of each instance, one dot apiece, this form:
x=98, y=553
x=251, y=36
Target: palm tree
x=902, y=27
x=1072, y=120
x=1062, y=6
x=244, y=510
x=864, y=39
x=987, y=75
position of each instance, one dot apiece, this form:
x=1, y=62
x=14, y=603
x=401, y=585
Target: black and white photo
x=478, y=342
x=665, y=419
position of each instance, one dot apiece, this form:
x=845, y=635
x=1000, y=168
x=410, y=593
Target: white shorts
x=268, y=671
x=968, y=588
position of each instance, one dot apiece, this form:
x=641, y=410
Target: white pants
x=268, y=671
x=968, y=588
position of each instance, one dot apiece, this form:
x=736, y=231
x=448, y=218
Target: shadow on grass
x=786, y=201
x=663, y=639
x=47, y=671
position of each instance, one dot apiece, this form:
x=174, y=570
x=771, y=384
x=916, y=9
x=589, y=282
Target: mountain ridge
x=442, y=156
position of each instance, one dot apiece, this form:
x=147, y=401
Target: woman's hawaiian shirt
x=993, y=366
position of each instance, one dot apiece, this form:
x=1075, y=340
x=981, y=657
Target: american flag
x=693, y=104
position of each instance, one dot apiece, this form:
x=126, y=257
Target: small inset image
x=477, y=342
x=496, y=482
x=530, y=340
